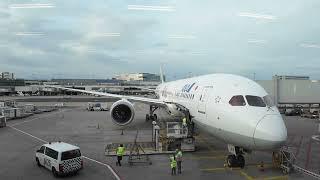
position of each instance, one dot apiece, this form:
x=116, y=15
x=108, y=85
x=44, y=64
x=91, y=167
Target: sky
x=44, y=39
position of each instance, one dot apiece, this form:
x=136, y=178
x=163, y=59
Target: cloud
x=104, y=38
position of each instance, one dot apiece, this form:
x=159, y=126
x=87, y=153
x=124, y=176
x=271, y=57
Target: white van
x=97, y=106
x=60, y=158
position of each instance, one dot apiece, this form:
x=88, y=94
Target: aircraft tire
x=54, y=172
x=241, y=161
x=38, y=162
x=231, y=160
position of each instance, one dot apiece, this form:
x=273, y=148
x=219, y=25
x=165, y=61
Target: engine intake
x=122, y=112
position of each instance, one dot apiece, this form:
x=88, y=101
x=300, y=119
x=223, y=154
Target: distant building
x=7, y=86
x=7, y=75
x=85, y=82
x=148, y=77
x=12, y=83
x=292, y=89
x=292, y=77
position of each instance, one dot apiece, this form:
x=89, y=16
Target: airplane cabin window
x=255, y=101
x=237, y=101
x=268, y=100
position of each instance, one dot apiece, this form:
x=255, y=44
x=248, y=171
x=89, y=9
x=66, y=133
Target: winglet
x=161, y=75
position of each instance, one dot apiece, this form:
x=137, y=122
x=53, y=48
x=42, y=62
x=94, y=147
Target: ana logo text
x=187, y=87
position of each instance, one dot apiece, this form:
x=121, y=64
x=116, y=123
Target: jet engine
x=122, y=112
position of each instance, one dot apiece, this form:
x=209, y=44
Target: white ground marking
x=29, y=134
x=316, y=137
x=98, y=162
x=22, y=122
x=106, y=165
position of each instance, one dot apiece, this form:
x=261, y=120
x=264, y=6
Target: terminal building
x=147, y=77
x=284, y=89
x=6, y=75
x=84, y=82
x=292, y=89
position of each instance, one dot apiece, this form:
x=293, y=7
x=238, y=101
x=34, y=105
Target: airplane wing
x=146, y=89
x=132, y=98
x=143, y=88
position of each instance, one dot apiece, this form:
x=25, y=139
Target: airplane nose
x=270, y=132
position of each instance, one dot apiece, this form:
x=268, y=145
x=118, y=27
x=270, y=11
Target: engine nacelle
x=122, y=112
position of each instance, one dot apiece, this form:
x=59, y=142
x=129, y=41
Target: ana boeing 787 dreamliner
x=232, y=108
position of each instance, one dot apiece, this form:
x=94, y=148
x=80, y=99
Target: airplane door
x=202, y=104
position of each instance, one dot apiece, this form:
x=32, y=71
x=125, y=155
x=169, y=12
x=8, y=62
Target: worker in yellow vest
x=184, y=125
x=173, y=165
x=179, y=159
x=120, y=152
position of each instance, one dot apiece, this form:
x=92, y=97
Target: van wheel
x=38, y=162
x=54, y=172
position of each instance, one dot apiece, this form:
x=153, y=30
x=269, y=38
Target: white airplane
x=232, y=108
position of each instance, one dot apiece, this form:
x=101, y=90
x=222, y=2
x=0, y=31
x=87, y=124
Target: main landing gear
x=151, y=116
x=236, y=159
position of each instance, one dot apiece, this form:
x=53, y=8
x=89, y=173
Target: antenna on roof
x=161, y=74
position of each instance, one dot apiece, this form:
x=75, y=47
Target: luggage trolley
x=284, y=159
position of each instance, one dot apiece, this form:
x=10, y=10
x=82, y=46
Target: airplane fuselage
x=232, y=108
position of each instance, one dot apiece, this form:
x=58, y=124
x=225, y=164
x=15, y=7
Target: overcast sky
x=101, y=38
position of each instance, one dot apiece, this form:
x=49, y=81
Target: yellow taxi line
x=276, y=177
x=213, y=169
x=207, y=157
x=248, y=177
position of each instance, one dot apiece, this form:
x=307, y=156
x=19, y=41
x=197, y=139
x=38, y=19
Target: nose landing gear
x=236, y=159
x=151, y=116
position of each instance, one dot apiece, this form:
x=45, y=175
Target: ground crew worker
x=179, y=160
x=120, y=153
x=173, y=165
x=184, y=125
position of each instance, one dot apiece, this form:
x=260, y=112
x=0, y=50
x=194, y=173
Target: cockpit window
x=237, y=101
x=255, y=101
x=268, y=100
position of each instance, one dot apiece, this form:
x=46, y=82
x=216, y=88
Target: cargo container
x=2, y=121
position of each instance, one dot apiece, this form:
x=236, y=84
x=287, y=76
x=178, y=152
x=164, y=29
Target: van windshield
x=70, y=154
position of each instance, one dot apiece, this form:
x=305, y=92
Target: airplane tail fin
x=161, y=75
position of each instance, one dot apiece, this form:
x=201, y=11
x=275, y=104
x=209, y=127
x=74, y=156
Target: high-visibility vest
x=171, y=158
x=184, y=121
x=179, y=156
x=173, y=163
x=120, y=151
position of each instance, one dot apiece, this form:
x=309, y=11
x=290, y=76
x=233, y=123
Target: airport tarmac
x=92, y=131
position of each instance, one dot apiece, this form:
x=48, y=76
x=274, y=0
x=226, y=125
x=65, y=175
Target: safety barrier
x=309, y=173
